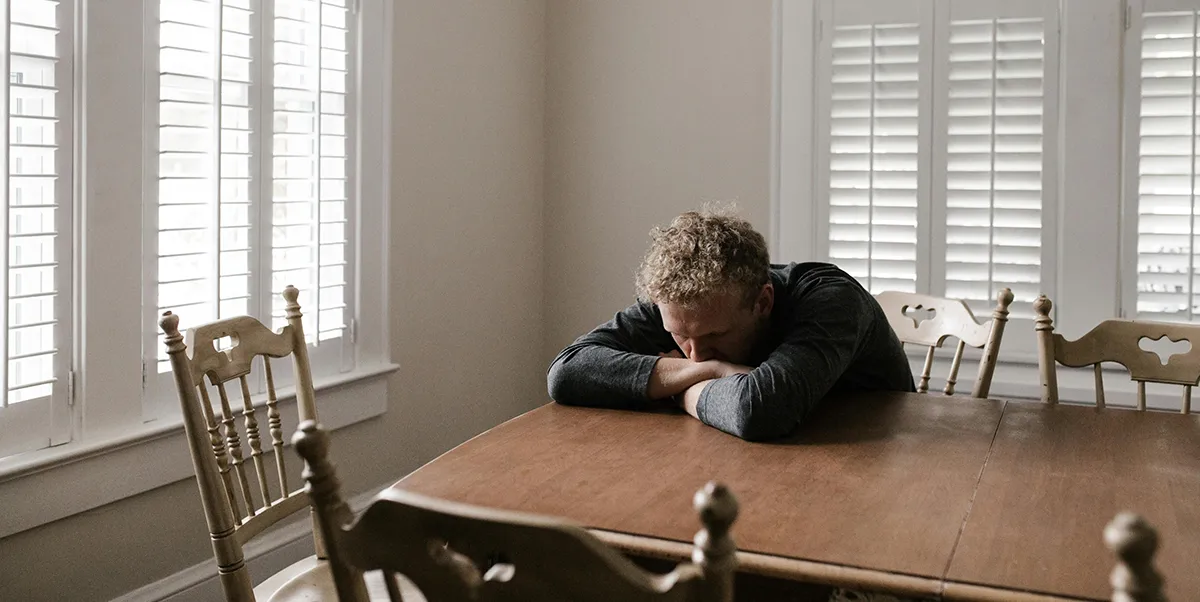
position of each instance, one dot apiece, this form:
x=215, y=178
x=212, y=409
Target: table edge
x=836, y=575
x=478, y=435
x=782, y=567
x=955, y=590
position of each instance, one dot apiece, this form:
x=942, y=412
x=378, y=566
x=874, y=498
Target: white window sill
x=88, y=474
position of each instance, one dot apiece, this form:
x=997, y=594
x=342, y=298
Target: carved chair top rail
x=249, y=337
x=1119, y=341
x=928, y=320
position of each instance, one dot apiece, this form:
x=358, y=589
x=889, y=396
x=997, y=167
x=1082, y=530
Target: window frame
x=110, y=427
x=802, y=218
x=1088, y=263
x=329, y=358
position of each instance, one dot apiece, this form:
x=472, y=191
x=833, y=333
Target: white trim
x=927, y=123
x=110, y=340
x=90, y=474
x=793, y=207
x=1131, y=102
x=374, y=183
x=1090, y=57
x=276, y=549
x=776, y=108
x=151, y=408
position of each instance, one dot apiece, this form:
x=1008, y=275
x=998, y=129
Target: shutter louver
x=1166, y=284
x=205, y=156
x=310, y=168
x=994, y=161
x=37, y=224
x=874, y=150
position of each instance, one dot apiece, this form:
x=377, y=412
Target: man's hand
x=673, y=373
x=722, y=369
x=690, y=398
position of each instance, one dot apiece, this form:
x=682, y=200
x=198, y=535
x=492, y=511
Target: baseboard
x=265, y=555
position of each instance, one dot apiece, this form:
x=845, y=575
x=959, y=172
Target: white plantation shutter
x=39, y=44
x=1162, y=135
x=254, y=188
x=204, y=161
x=309, y=243
x=939, y=176
x=872, y=96
x=994, y=119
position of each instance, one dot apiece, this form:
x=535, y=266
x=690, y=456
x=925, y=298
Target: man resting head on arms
x=743, y=345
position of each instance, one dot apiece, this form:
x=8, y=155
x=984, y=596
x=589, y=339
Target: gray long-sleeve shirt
x=827, y=334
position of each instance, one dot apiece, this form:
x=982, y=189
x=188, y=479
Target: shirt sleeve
x=611, y=365
x=827, y=332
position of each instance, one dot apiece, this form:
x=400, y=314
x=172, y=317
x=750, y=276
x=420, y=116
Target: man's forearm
x=690, y=398
x=672, y=376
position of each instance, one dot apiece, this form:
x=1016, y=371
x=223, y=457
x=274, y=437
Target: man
x=743, y=345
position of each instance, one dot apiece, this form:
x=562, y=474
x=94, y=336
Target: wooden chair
x=1118, y=341
x=1134, y=542
x=929, y=321
x=235, y=510
x=456, y=552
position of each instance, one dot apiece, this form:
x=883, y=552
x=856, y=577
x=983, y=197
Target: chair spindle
x=954, y=365
x=1134, y=579
x=393, y=589
x=235, y=448
x=275, y=425
x=923, y=385
x=255, y=440
x=1187, y=400
x=1141, y=402
x=218, y=447
x=1099, y=373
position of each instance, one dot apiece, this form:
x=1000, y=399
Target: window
x=935, y=127
x=995, y=154
x=874, y=142
x=38, y=217
x=254, y=163
x=1161, y=135
x=196, y=156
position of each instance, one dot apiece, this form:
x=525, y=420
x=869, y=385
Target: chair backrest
x=1134, y=542
x=235, y=510
x=1119, y=342
x=456, y=552
x=929, y=321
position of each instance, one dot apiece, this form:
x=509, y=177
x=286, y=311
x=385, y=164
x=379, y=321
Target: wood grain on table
x=879, y=481
x=1058, y=474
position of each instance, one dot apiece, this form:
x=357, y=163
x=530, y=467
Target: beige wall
x=535, y=144
x=653, y=108
x=466, y=291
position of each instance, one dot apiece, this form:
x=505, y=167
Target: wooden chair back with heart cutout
x=242, y=493
x=1118, y=342
x=929, y=321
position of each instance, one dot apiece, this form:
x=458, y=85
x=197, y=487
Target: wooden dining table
x=919, y=495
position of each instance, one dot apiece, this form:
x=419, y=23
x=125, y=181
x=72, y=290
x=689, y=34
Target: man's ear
x=765, y=301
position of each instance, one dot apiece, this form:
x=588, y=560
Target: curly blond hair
x=701, y=253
